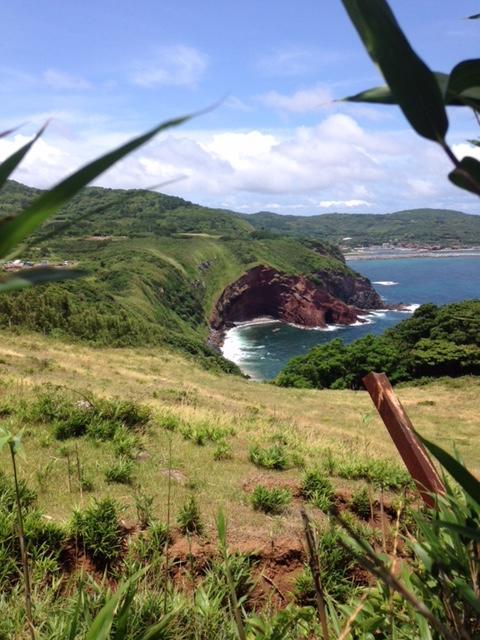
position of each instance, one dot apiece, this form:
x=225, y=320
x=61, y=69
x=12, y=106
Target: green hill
x=420, y=226
x=155, y=267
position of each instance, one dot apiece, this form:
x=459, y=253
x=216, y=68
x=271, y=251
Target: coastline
x=411, y=253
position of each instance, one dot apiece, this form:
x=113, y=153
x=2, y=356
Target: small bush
x=126, y=444
x=86, y=482
x=28, y=497
x=126, y=412
x=121, y=471
x=274, y=457
x=200, y=434
x=272, y=501
x=144, y=508
x=336, y=571
x=223, y=451
x=383, y=473
x=169, y=422
x=189, y=519
x=318, y=489
x=150, y=544
x=360, y=503
x=98, y=530
x=102, y=430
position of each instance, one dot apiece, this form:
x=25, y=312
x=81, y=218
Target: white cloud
x=335, y=165
x=295, y=61
x=59, y=80
x=302, y=101
x=179, y=65
x=328, y=204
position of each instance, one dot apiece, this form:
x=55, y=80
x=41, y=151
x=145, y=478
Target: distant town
x=19, y=264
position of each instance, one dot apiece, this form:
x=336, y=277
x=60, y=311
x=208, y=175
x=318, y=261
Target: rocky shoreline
x=324, y=299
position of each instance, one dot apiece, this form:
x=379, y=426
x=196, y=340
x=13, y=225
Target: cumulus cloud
x=178, y=66
x=334, y=165
x=59, y=80
x=329, y=204
x=302, y=101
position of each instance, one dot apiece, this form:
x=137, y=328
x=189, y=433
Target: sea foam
x=386, y=283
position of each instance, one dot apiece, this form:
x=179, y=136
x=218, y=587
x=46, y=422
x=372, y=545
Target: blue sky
x=104, y=71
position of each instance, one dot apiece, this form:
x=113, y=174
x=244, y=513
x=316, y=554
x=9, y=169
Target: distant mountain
x=420, y=226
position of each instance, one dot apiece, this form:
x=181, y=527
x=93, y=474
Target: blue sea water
x=262, y=350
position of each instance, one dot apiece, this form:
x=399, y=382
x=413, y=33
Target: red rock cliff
x=263, y=291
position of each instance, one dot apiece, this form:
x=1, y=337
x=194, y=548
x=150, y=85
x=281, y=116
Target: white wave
x=328, y=327
x=386, y=283
x=233, y=347
x=408, y=308
x=378, y=314
x=255, y=321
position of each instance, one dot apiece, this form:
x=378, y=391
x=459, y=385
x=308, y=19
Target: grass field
x=311, y=426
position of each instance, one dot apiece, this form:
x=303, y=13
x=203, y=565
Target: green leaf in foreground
x=459, y=473
x=8, y=166
x=38, y=275
x=412, y=83
x=467, y=175
x=17, y=229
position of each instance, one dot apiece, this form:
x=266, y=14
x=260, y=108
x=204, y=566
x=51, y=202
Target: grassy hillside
x=155, y=266
x=421, y=226
x=311, y=426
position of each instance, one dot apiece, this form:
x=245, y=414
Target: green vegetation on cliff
x=155, y=267
x=434, y=342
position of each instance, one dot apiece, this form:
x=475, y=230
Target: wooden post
x=400, y=428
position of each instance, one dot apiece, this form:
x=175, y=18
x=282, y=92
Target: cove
x=262, y=349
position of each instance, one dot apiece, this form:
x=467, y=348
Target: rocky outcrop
x=263, y=291
x=351, y=288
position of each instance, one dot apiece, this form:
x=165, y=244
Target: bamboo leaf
x=8, y=166
x=465, y=77
x=412, y=83
x=467, y=175
x=102, y=624
x=467, y=532
x=38, y=275
x=17, y=229
x=458, y=472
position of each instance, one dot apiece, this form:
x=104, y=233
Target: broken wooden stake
x=400, y=428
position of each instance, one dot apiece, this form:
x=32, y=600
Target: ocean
x=262, y=348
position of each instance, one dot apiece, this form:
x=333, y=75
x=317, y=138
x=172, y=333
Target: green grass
x=325, y=428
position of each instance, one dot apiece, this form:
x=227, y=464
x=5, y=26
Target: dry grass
x=312, y=421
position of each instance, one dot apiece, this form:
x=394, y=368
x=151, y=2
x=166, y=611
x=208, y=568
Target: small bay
x=262, y=349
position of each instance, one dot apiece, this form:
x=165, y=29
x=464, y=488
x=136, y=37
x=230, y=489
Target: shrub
x=126, y=444
x=98, y=530
x=200, y=434
x=336, y=571
x=126, y=412
x=120, y=471
x=102, y=429
x=7, y=494
x=318, y=489
x=360, y=503
x=151, y=542
x=169, y=422
x=223, y=451
x=189, y=519
x=143, y=506
x=272, y=501
x=274, y=457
